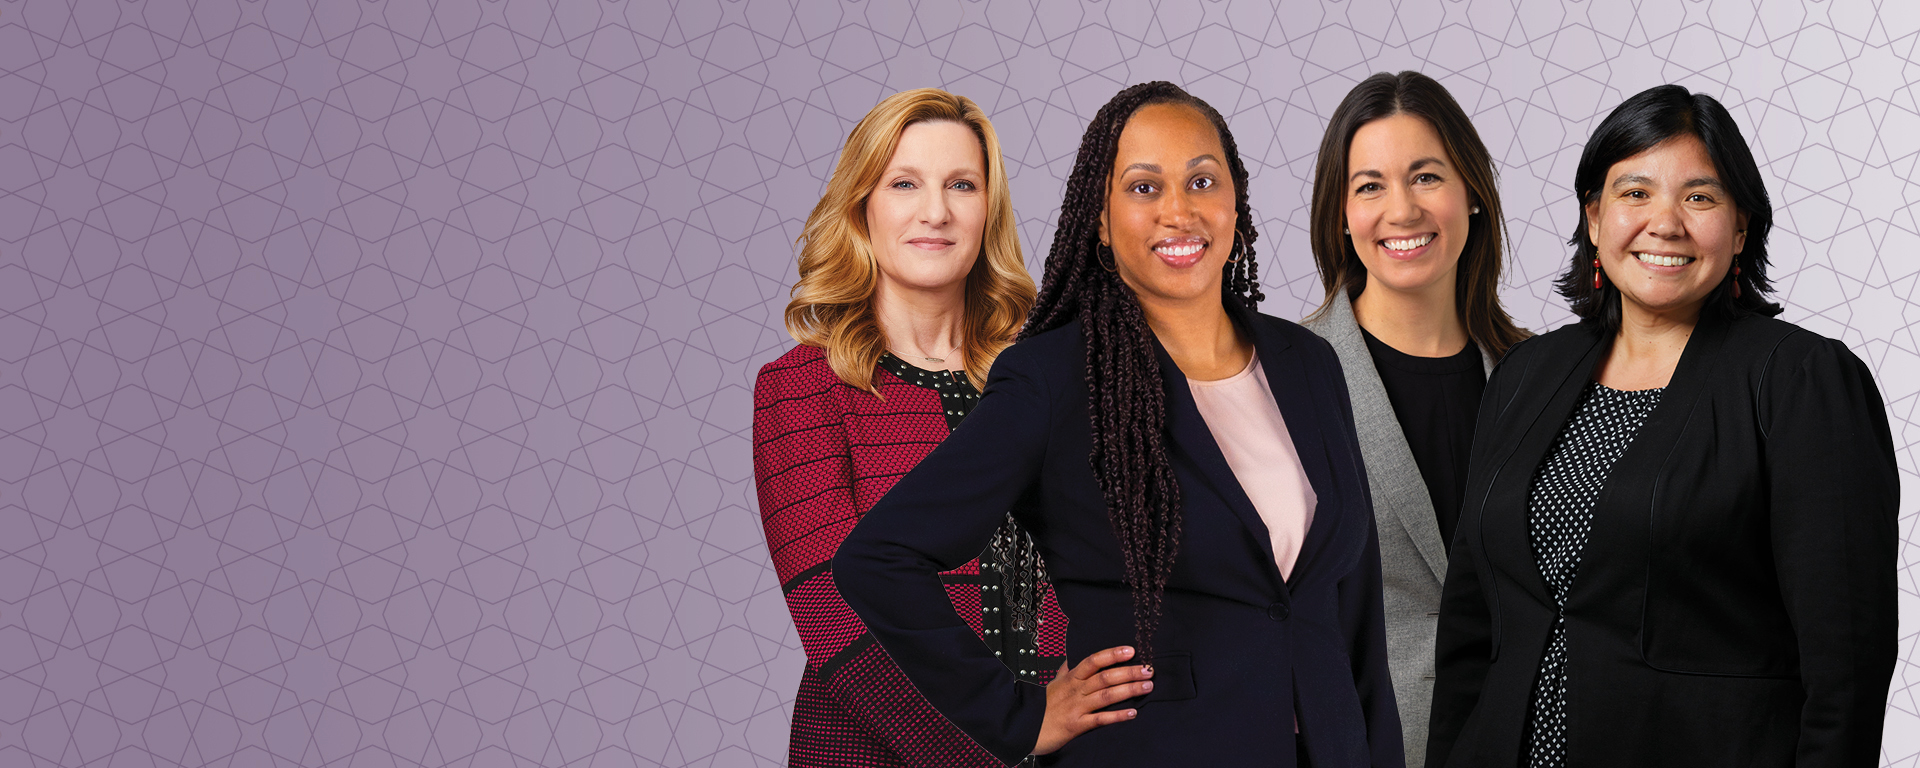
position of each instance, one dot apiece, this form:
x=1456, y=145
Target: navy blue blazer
x=1240, y=653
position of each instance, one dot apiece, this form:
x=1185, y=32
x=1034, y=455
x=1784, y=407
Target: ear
x=1593, y=221
x=1740, y=233
x=1104, y=240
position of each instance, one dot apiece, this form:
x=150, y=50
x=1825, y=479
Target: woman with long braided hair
x=1189, y=471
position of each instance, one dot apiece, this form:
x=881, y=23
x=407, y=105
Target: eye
x=1367, y=187
x=1141, y=188
x=1202, y=182
x=1699, y=197
x=1426, y=178
x=964, y=185
x=902, y=184
x=1637, y=194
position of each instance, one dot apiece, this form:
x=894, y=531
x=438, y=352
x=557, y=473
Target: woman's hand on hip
x=1075, y=696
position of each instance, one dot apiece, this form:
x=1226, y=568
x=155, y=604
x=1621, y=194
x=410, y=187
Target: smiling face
x=1171, y=208
x=1407, y=207
x=926, y=216
x=1665, y=228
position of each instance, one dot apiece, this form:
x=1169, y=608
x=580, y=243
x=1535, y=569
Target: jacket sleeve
x=1834, y=490
x=1464, y=641
x=937, y=517
x=804, y=476
x=1363, y=610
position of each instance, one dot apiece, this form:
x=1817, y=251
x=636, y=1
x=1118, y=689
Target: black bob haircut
x=1649, y=118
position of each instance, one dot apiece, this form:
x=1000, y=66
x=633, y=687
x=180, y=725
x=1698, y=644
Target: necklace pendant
x=934, y=359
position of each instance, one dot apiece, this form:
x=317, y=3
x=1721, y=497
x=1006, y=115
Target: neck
x=919, y=324
x=1199, y=336
x=1648, y=347
x=1422, y=323
x=1645, y=329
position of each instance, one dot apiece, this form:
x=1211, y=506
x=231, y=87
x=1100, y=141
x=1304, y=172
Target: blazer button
x=1278, y=611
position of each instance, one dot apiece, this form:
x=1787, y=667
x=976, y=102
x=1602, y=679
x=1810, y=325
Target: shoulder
x=801, y=372
x=1298, y=333
x=1571, y=339
x=1776, y=348
x=1046, y=355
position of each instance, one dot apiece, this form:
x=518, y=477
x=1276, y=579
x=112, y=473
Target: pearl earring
x=1476, y=209
x=1346, y=231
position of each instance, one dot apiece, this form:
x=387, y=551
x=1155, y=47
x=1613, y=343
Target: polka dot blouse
x=1559, y=516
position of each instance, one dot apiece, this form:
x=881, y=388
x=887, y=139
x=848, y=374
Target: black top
x=1009, y=572
x=1240, y=653
x=1436, y=400
x=1737, y=601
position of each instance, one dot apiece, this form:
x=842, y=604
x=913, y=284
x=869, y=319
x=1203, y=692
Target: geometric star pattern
x=375, y=378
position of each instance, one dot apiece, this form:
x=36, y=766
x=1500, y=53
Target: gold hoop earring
x=1106, y=264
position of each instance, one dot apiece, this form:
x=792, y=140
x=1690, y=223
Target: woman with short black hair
x=1679, y=545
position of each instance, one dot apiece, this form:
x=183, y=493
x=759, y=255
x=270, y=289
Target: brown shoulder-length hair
x=1477, y=286
x=832, y=305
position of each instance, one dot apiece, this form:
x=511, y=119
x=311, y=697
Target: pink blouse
x=1245, y=421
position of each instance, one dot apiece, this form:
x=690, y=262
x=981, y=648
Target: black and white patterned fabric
x=1010, y=568
x=1559, y=516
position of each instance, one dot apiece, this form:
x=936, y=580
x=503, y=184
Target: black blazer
x=1735, y=604
x=1237, y=648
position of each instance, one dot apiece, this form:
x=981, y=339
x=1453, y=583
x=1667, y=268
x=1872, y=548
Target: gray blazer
x=1413, y=559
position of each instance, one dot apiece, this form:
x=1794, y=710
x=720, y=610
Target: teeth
x=1664, y=261
x=1187, y=249
x=1408, y=244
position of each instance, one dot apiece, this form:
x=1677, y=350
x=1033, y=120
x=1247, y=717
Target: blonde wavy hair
x=832, y=305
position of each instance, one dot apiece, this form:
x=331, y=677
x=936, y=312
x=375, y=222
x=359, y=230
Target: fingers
x=1120, y=675
x=1098, y=660
x=1107, y=697
x=1109, y=718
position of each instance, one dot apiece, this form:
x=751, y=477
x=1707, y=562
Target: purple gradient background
x=375, y=376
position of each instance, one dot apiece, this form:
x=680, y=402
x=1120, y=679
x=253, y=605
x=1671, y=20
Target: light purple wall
x=375, y=376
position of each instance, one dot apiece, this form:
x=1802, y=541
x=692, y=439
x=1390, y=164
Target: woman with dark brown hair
x=1188, y=468
x=1407, y=233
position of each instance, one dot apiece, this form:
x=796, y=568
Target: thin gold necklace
x=941, y=360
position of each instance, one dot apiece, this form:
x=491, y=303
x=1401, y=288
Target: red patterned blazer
x=823, y=453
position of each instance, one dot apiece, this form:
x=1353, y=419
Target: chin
x=1406, y=279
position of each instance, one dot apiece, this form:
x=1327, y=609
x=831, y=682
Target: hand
x=1074, y=697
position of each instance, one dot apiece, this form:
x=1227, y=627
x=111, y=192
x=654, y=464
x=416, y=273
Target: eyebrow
x=1152, y=168
x=912, y=171
x=1414, y=166
x=1698, y=181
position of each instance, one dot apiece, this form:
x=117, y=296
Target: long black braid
x=1127, y=402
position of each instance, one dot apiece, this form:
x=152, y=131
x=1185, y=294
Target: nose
x=1401, y=208
x=1664, y=222
x=934, y=210
x=1177, y=209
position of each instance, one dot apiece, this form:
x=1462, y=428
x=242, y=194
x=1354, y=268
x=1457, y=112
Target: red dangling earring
x=1736, y=281
x=1596, y=273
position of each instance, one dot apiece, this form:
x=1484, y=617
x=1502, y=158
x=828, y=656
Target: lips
x=1181, y=252
x=1663, y=260
x=930, y=243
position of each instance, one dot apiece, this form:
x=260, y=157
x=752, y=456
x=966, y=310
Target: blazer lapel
x=1190, y=433
x=1391, y=471
x=1623, y=510
x=1303, y=409
x=1552, y=401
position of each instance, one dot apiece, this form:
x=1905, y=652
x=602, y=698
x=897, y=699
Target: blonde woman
x=911, y=282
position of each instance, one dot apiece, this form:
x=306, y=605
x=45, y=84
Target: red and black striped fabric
x=823, y=453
